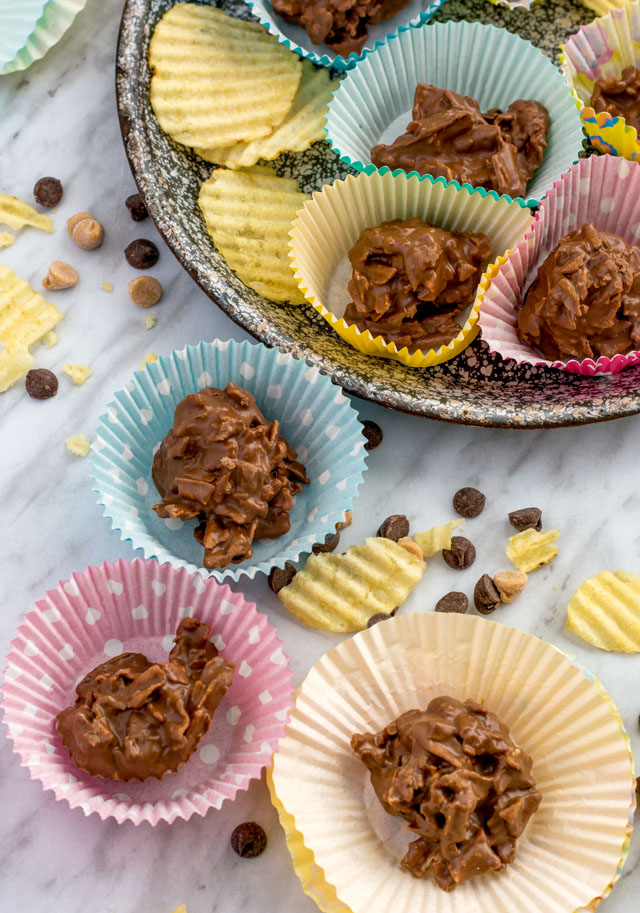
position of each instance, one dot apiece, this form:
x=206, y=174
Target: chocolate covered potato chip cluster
x=225, y=464
x=454, y=774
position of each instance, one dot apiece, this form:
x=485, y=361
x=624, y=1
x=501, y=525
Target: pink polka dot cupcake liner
x=314, y=415
x=136, y=607
x=603, y=190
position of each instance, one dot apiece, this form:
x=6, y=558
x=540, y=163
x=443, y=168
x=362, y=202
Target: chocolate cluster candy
x=619, y=96
x=410, y=279
x=454, y=774
x=340, y=24
x=585, y=300
x=449, y=137
x=135, y=719
x=225, y=464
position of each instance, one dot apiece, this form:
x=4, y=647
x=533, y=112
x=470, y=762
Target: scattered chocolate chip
x=461, y=555
x=638, y=790
x=280, y=577
x=373, y=434
x=453, y=602
x=136, y=207
x=48, y=191
x=394, y=527
x=41, y=383
x=330, y=544
x=468, y=502
x=527, y=518
x=248, y=839
x=141, y=254
x=381, y=616
x=486, y=597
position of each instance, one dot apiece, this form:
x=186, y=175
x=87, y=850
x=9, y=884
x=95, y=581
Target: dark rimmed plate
x=474, y=388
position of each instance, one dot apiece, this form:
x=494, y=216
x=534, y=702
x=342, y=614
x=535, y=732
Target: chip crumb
x=106, y=286
x=148, y=359
x=181, y=909
x=149, y=321
x=78, y=373
x=6, y=239
x=78, y=445
x=437, y=538
x=50, y=339
x=531, y=549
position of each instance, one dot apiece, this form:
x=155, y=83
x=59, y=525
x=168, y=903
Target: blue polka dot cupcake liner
x=314, y=415
x=374, y=102
x=295, y=37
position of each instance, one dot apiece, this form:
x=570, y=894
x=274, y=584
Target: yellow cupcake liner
x=331, y=222
x=604, y=48
x=584, y=822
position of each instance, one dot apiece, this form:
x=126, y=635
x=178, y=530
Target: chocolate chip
x=486, y=597
x=48, y=191
x=136, y=207
x=453, y=602
x=381, y=616
x=330, y=544
x=280, y=577
x=527, y=518
x=41, y=383
x=394, y=527
x=461, y=555
x=468, y=502
x=248, y=839
x=141, y=254
x=373, y=434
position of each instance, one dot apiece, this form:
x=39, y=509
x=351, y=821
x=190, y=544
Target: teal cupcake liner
x=373, y=103
x=315, y=417
x=47, y=28
x=17, y=21
x=415, y=13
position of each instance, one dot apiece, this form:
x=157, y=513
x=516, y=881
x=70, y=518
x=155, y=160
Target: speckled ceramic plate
x=474, y=388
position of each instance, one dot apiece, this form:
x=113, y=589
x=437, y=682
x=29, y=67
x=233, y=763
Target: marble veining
x=59, y=118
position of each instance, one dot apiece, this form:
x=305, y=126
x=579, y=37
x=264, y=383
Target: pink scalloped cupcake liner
x=137, y=606
x=601, y=189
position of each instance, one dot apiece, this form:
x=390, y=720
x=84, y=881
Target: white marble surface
x=59, y=118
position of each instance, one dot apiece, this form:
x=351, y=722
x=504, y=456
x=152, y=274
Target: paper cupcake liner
x=602, y=7
x=330, y=223
x=315, y=417
x=17, y=21
x=374, y=101
x=604, y=48
x=600, y=189
x=312, y=877
x=57, y=16
x=575, y=844
x=516, y=4
x=137, y=606
x=415, y=13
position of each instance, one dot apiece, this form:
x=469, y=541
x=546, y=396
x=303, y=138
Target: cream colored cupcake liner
x=345, y=847
x=330, y=223
x=604, y=48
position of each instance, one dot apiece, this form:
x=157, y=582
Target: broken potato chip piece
x=531, y=549
x=248, y=215
x=78, y=445
x=6, y=239
x=342, y=592
x=217, y=80
x=303, y=125
x=17, y=214
x=605, y=611
x=434, y=540
x=25, y=318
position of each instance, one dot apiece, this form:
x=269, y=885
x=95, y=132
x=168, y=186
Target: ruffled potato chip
x=432, y=541
x=303, y=125
x=217, y=80
x=605, y=611
x=342, y=592
x=248, y=215
x=531, y=549
x=17, y=214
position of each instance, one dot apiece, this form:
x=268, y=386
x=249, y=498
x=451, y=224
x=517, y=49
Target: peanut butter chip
x=145, y=291
x=510, y=584
x=411, y=547
x=61, y=275
x=85, y=231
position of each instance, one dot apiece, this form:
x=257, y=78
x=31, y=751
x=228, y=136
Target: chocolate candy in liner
x=619, y=96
